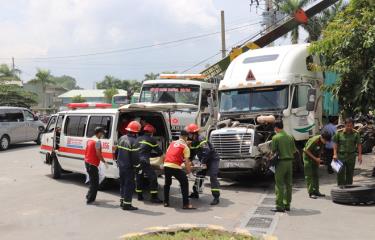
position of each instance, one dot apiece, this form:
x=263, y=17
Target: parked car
x=18, y=125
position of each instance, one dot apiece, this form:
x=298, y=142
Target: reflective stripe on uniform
x=215, y=190
x=127, y=202
x=138, y=191
x=199, y=145
x=149, y=144
x=128, y=149
x=137, y=166
x=153, y=192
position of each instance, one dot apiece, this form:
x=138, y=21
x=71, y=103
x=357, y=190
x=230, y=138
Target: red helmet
x=134, y=127
x=192, y=128
x=149, y=128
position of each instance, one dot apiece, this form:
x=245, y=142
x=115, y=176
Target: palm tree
x=43, y=77
x=315, y=25
x=151, y=76
x=290, y=7
x=8, y=75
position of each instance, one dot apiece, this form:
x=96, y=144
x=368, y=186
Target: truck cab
x=260, y=87
x=182, y=88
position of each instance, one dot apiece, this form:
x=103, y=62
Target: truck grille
x=232, y=146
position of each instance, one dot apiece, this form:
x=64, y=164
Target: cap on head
x=99, y=130
x=134, y=127
x=148, y=128
x=192, y=128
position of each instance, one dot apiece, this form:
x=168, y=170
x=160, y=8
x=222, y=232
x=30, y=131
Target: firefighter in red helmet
x=209, y=159
x=148, y=147
x=127, y=160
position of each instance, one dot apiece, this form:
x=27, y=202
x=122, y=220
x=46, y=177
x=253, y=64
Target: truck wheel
x=4, y=143
x=354, y=194
x=55, y=168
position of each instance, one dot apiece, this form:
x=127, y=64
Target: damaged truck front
x=260, y=87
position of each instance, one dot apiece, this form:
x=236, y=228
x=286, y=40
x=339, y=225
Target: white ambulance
x=63, y=142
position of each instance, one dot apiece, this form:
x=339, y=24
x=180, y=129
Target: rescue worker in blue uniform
x=148, y=148
x=209, y=159
x=127, y=161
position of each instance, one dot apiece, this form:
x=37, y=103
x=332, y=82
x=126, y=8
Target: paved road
x=35, y=206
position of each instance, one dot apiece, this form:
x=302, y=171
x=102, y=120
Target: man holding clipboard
x=346, y=143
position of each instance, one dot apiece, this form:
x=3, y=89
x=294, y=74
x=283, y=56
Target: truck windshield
x=170, y=93
x=254, y=100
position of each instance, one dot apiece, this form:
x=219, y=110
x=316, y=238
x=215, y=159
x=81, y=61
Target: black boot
x=140, y=197
x=373, y=172
x=216, y=201
x=121, y=202
x=194, y=194
x=128, y=207
x=155, y=198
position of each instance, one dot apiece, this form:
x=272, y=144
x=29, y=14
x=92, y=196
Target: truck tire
x=367, y=146
x=354, y=194
x=55, y=168
x=4, y=142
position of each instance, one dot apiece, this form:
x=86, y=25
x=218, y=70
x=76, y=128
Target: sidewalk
x=321, y=218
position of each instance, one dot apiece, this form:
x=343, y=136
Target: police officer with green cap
x=346, y=143
x=311, y=162
x=283, y=145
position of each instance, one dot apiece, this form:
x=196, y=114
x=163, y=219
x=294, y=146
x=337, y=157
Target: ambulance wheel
x=354, y=194
x=55, y=168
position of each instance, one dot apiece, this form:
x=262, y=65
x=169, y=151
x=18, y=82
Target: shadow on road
x=21, y=146
x=295, y=212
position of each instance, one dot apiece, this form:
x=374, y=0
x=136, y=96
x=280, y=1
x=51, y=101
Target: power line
x=199, y=63
x=140, y=47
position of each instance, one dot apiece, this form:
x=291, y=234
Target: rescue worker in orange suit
x=209, y=159
x=93, y=156
x=148, y=147
x=127, y=161
x=178, y=153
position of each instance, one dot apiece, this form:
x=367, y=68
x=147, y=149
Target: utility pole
x=223, y=48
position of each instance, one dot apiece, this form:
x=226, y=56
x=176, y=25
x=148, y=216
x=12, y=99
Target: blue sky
x=34, y=31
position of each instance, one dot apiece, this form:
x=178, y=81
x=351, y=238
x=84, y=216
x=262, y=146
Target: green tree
x=316, y=24
x=290, y=7
x=7, y=74
x=348, y=48
x=65, y=81
x=109, y=93
x=110, y=82
x=43, y=77
x=14, y=95
x=78, y=99
x=151, y=76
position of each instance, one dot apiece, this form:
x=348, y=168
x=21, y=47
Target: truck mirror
x=311, y=99
x=211, y=105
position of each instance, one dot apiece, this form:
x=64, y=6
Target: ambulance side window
x=75, y=126
x=100, y=121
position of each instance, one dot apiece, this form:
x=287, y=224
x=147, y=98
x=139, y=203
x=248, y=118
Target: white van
x=18, y=125
x=64, y=140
